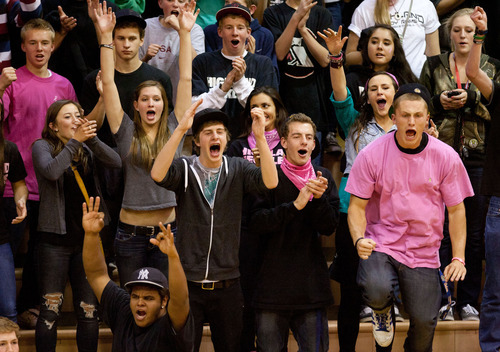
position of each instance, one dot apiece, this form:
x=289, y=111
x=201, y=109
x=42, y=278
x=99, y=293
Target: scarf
x=272, y=139
x=299, y=175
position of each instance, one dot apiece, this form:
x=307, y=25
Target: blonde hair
x=381, y=12
x=8, y=326
x=449, y=22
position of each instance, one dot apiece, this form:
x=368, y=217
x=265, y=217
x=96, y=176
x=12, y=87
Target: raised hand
x=92, y=6
x=105, y=18
x=187, y=119
x=93, y=220
x=259, y=122
x=479, y=18
x=67, y=23
x=165, y=241
x=432, y=130
x=187, y=16
x=86, y=130
x=304, y=8
x=334, y=41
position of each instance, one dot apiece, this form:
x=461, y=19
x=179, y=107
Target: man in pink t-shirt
x=400, y=185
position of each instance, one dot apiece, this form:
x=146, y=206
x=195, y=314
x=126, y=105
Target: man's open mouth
x=302, y=152
x=235, y=42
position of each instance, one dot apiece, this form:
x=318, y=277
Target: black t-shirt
x=128, y=337
x=14, y=171
x=304, y=84
x=126, y=84
x=79, y=53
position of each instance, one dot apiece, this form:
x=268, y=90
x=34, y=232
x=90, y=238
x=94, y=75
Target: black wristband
x=356, y=243
x=480, y=32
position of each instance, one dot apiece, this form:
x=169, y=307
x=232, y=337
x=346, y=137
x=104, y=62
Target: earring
x=162, y=307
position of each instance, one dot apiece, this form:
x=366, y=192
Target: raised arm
x=474, y=73
x=178, y=304
x=269, y=172
x=458, y=235
x=186, y=19
x=335, y=43
x=356, y=218
x=284, y=42
x=92, y=255
x=166, y=156
x=317, y=50
x=106, y=22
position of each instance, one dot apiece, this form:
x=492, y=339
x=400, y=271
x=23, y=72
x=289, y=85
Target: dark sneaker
x=469, y=313
x=331, y=144
x=383, y=326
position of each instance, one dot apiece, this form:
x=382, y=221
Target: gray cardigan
x=50, y=176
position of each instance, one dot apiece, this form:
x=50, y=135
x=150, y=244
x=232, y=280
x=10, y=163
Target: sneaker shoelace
x=382, y=321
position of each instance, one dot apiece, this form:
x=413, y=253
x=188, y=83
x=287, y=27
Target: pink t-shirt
x=26, y=102
x=408, y=193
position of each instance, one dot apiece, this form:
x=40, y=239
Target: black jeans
x=56, y=263
x=222, y=308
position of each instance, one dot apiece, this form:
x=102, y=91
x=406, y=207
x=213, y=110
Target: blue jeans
x=309, y=327
x=420, y=291
x=475, y=210
x=489, y=325
x=133, y=252
x=8, y=290
x=56, y=263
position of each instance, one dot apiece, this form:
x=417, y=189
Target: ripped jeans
x=56, y=264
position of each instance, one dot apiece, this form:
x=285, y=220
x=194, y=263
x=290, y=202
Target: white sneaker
x=365, y=316
x=469, y=313
x=399, y=317
x=383, y=327
x=446, y=317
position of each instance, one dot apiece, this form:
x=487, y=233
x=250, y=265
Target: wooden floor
x=457, y=336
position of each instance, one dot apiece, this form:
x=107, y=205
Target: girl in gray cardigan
x=64, y=161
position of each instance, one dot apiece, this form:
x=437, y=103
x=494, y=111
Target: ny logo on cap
x=143, y=274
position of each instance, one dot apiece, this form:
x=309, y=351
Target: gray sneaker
x=446, y=317
x=469, y=313
x=383, y=327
